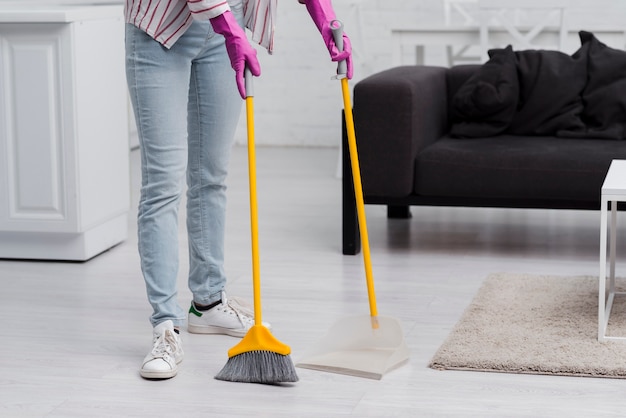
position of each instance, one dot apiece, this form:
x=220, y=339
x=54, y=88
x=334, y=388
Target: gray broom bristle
x=259, y=367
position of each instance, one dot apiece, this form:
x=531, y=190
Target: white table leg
x=613, y=240
x=419, y=55
x=602, y=277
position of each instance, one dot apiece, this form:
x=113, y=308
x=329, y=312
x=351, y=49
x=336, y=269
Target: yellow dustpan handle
x=254, y=224
x=358, y=192
x=337, y=29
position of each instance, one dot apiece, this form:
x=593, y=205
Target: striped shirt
x=167, y=20
x=260, y=18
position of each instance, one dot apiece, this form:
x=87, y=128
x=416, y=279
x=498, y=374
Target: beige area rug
x=536, y=325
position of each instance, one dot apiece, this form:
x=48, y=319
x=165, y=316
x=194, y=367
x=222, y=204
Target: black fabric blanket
x=547, y=93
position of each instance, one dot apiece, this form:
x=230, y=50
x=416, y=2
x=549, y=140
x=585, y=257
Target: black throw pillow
x=485, y=104
x=550, y=86
x=605, y=93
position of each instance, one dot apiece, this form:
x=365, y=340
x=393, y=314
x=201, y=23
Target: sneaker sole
x=157, y=375
x=207, y=329
x=166, y=374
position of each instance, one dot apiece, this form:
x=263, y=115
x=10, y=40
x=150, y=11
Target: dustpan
x=365, y=345
x=353, y=346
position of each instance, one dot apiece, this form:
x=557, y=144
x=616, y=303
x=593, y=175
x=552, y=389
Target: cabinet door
x=37, y=187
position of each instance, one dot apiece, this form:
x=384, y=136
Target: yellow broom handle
x=254, y=224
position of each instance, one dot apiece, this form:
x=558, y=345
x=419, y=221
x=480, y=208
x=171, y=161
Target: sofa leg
x=398, y=212
x=351, y=238
x=350, y=224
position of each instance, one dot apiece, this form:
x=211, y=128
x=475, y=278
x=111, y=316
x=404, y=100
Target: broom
x=258, y=357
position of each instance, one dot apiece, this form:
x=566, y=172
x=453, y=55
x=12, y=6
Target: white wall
x=297, y=103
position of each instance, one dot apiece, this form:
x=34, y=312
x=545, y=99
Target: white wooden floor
x=75, y=333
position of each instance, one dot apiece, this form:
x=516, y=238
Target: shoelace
x=242, y=309
x=164, y=344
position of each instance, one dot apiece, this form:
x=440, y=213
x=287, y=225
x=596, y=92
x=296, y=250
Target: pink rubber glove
x=240, y=51
x=322, y=13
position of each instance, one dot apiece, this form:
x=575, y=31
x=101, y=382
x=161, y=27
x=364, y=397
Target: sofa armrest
x=397, y=113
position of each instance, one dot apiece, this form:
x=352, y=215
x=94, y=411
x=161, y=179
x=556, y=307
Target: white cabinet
x=64, y=151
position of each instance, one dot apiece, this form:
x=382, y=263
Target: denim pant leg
x=186, y=106
x=158, y=81
x=213, y=112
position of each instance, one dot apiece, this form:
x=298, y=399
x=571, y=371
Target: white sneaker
x=167, y=352
x=232, y=317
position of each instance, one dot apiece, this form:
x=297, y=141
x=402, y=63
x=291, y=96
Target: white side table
x=64, y=148
x=613, y=191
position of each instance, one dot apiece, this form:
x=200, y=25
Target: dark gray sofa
x=414, y=147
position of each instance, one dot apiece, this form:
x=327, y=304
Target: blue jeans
x=186, y=106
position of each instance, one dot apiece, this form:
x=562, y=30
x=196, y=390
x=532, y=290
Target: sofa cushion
x=605, y=93
x=550, y=89
x=456, y=76
x=515, y=167
x=486, y=103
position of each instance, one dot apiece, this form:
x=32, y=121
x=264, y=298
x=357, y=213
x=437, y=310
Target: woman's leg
x=158, y=81
x=214, y=109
